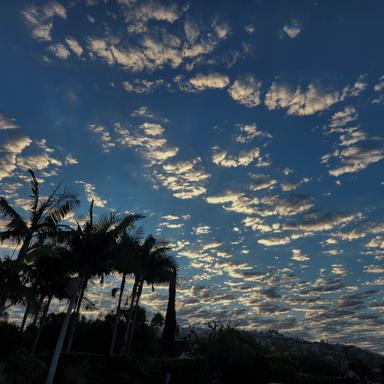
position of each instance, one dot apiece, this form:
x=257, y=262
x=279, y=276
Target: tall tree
x=154, y=266
x=124, y=260
x=169, y=331
x=43, y=221
x=92, y=246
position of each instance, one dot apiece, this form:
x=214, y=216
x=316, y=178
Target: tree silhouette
x=43, y=222
x=169, y=331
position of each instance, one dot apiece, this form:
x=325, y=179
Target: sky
x=249, y=133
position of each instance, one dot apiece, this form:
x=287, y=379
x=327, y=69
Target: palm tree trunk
x=60, y=342
x=169, y=331
x=117, y=319
x=128, y=327
x=140, y=290
x=76, y=316
x=26, y=313
x=38, y=311
x=41, y=325
x=3, y=302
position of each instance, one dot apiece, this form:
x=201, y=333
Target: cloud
x=184, y=178
x=8, y=154
x=235, y=202
x=262, y=182
x=246, y=90
x=356, y=158
x=71, y=159
x=297, y=255
x=141, y=86
x=324, y=223
x=277, y=240
x=248, y=132
x=209, y=81
x=90, y=191
x=379, y=86
x=74, y=46
x=138, y=15
x=243, y=159
x=40, y=18
x=292, y=29
x=60, y=51
x=201, y=230
x=285, y=206
x=148, y=139
x=7, y=123
x=304, y=102
x=104, y=135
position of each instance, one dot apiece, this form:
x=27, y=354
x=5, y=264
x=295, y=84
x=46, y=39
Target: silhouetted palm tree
x=51, y=273
x=124, y=260
x=43, y=222
x=92, y=246
x=154, y=266
x=169, y=331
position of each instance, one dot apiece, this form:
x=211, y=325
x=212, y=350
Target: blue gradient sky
x=249, y=133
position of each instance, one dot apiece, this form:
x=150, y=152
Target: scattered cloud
x=314, y=98
x=243, y=159
x=246, y=90
x=90, y=191
x=213, y=80
x=292, y=29
x=40, y=18
x=7, y=123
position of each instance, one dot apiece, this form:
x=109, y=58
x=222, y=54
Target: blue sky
x=250, y=134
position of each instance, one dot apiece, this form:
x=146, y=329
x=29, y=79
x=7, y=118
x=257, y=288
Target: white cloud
x=243, y=159
x=74, y=46
x=262, y=182
x=248, y=132
x=235, y=202
x=7, y=123
x=304, y=102
x=297, y=255
x=185, y=179
x=379, y=86
x=8, y=154
x=292, y=29
x=104, y=135
x=324, y=223
x=246, y=91
x=60, y=51
x=211, y=80
x=71, y=159
x=40, y=18
x=201, y=230
x=351, y=155
x=90, y=191
x=141, y=86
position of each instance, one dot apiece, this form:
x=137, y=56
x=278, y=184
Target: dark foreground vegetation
x=55, y=260
x=225, y=356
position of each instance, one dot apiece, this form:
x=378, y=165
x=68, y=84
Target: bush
x=22, y=369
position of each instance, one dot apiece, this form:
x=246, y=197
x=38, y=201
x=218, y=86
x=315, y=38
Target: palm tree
x=43, y=222
x=92, y=246
x=154, y=266
x=11, y=283
x=73, y=288
x=50, y=270
x=169, y=331
x=124, y=263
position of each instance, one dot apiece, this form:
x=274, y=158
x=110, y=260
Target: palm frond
x=127, y=222
x=35, y=192
x=16, y=224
